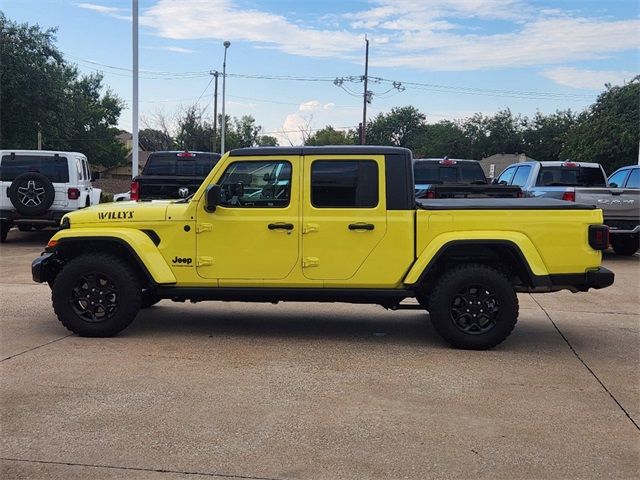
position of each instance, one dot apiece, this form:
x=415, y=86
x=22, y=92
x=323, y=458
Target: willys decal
x=122, y=215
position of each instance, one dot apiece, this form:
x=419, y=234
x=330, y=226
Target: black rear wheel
x=473, y=307
x=96, y=295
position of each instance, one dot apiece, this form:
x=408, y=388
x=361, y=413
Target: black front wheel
x=96, y=295
x=473, y=307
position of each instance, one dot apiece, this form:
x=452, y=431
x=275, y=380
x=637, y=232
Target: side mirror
x=95, y=176
x=212, y=198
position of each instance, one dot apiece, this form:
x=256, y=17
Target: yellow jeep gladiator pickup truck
x=322, y=224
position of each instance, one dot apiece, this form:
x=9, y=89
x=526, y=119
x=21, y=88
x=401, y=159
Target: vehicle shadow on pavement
x=28, y=239
x=409, y=328
x=283, y=322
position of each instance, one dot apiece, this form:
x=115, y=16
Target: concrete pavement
x=231, y=390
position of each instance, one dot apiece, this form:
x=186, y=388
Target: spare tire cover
x=31, y=193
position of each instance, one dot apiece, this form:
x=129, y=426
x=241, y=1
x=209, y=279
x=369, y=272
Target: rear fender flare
x=438, y=246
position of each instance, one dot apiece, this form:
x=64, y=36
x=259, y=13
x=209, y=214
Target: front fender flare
x=439, y=244
x=136, y=241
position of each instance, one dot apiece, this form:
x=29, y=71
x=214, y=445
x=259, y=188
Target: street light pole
x=214, y=136
x=226, y=44
x=363, y=137
x=134, y=106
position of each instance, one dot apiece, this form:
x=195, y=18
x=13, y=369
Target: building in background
x=118, y=179
x=495, y=164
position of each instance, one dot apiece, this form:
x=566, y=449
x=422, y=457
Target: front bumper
x=45, y=267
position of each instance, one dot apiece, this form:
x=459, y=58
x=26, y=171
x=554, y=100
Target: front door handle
x=361, y=226
x=280, y=226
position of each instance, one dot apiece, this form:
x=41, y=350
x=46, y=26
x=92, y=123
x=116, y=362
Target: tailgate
x=616, y=203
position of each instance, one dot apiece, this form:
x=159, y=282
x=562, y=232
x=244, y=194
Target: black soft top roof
x=324, y=150
x=500, y=204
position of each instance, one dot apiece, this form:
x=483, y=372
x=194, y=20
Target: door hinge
x=204, y=227
x=310, y=262
x=310, y=227
x=204, y=261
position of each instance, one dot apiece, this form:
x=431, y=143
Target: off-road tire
x=149, y=299
x=123, y=278
x=447, y=290
x=42, y=190
x=625, y=246
x=4, y=231
x=25, y=228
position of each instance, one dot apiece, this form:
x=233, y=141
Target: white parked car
x=122, y=197
x=37, y=187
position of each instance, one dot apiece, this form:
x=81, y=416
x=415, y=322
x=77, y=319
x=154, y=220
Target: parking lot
x=261, y=391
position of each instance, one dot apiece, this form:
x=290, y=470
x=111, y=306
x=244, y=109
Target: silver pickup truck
x=585, y=183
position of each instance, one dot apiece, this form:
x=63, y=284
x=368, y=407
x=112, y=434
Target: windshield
x=53, y=167
x=571, y=177
x=173, y=165
x=435, y=172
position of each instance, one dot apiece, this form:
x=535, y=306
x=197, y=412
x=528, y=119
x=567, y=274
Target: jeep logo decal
x=185, y=260
x=115, y=215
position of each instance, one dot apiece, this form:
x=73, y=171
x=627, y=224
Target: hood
x=119, y=212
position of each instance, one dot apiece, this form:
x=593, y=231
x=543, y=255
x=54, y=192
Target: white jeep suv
x=37, y=187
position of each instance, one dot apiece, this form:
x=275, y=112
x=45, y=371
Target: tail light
x=431, y=194
x=569, y=196
x=186, y=154
x=135, y=190
x=599, y=237
x=73, y=194
x=569, y=164
x=520, y=194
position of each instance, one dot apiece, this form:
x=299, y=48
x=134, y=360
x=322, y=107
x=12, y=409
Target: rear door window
x=344, y=184
x=53, y=167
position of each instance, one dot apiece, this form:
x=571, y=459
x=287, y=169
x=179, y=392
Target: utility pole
x=134, y=106
x=363, y=138
x=214, y=135
x=226, y=44
x=39, y=137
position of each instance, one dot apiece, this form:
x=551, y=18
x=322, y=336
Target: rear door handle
x=280, y=226
x=361, y=226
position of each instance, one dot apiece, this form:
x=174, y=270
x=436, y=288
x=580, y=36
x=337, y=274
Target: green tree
x=500, y=133
x=609, y=130
x=194, y=133
x=153, y=140
x=40, y=91
x=401, y=127
x=330, y=136
x=544, y=136
x=442, y=139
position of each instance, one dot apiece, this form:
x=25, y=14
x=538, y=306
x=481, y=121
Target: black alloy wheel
x=474, y=310
x=94, y=297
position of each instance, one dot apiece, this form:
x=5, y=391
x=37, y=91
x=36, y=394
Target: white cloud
x=587, y=79
x=121, y=13
x=220, y=19
x=417, y=34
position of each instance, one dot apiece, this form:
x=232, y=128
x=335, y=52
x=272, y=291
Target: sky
x=448, y=58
